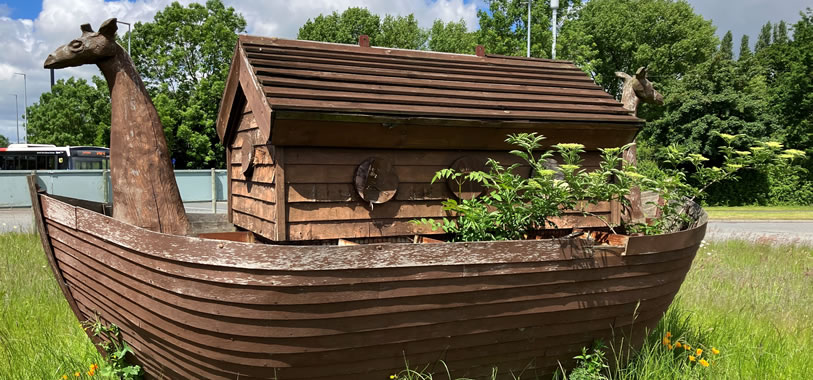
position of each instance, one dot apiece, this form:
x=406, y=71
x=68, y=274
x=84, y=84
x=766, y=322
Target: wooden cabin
x=327, y=141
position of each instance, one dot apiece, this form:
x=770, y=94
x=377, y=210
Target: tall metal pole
x=128, y=34
x=25, y=125
x=529, y=28
x=554, y=4
x=17, y=116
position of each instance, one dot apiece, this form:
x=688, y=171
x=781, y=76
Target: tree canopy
x=183, y=56
x=74, y=112
x=3, y=141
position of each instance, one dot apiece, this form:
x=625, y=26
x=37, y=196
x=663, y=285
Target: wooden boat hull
x=199, y=308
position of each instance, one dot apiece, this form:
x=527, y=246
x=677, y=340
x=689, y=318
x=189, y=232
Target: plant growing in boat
x=513, y=206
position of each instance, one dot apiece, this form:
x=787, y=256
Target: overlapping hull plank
x=198, y=308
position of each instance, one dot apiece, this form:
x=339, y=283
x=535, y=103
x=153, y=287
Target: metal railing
x=207, y=185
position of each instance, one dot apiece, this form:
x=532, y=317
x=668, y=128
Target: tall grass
x=40, y=337
x=752, y=302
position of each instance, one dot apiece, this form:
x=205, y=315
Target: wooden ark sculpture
x=334, y=144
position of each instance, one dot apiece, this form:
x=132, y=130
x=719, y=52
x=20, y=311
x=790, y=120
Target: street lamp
x=128, y=34
x=529, y=28
x=25, y=84
x=554, y=4
x=17, y=115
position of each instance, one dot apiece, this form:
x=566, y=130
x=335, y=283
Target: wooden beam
x=255, y=96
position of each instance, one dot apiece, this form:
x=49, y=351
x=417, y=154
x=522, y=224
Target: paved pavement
x=773, y=231
x=22, y=219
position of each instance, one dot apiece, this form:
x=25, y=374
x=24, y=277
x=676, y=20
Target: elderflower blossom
x=569, y=146
x=569, y=167
x=794, y=152
x=742, y=152
x=773, y=144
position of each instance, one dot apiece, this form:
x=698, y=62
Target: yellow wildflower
x=669, y=346
x=77, y=374
x=715, y=351
x=704, y=363
x=64, y=377
x=699, y=352
x=678, y=345
x=668, y=334
x=393, y=377
x=666, y=341
x=687, y=347
x=692, y=358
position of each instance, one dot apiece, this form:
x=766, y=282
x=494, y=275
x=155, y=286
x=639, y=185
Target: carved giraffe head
x=90, y=48
x=643, y=88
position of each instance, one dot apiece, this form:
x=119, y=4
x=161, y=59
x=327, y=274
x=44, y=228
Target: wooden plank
x=282, y=173
x=421, y=136
x=227, y=101
x=255, y=207
x=272, y=42
x=345, y=192
x=254, y=95
x=261, y=227
x=370, y=228
x=412, y=157
x=458, y=94
x=239, y=236
x=345, y=173
x=429, y=98
x=279, y=101
x=263, y=155
x=247, y=120
x=413, y=72
x=269, y=72
x=261, y=173
x=336, y=212
x=257, y=190
x=377, y=59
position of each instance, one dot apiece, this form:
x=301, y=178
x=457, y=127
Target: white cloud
x=24, y=43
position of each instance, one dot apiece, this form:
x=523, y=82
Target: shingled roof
x=279, y=75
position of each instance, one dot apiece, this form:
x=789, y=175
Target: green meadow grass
x=40, y=337
x=760, y=213
x=751, y=302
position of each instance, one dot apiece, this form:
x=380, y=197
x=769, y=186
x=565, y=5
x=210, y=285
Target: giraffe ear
x=86, y=28
x=641, y=73
x=109, y=28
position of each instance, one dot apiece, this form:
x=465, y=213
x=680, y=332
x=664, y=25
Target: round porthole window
x=464, y=189
x=376, y=181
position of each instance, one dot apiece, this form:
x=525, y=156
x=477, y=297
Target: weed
x=116, y=350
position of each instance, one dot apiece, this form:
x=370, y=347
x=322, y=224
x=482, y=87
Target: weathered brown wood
x=255, y=207
x=260, y=65
x=252, y=223
x=433, y=63
x=565, y=102
x=144, y=190
x=254, y=96
x=345, y=192
x=296, y=44
x=282, y=174
x=260, y=173
x=325, y=212
x=375, y=180
x=257, y=190
x=419, y=136
x=240, y=236
x=227, y=101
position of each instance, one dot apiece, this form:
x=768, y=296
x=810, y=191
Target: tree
x=342, y=28
x=745, y=49
x=504, y=27
x=452, y=37
x=72, y=113
x=401, y=32
x=3, y=141
x=727, y=46
x=780, y=33
x=717, y=96
x=183, y=56
x=764, y=38
x=605, y=36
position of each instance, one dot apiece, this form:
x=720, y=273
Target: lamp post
x=17, y=115
x=529, y=28
x=554, y=4
x=128, y=34
x=25, y=86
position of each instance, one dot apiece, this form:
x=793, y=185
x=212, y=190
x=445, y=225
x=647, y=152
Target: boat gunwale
x=293, y=258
